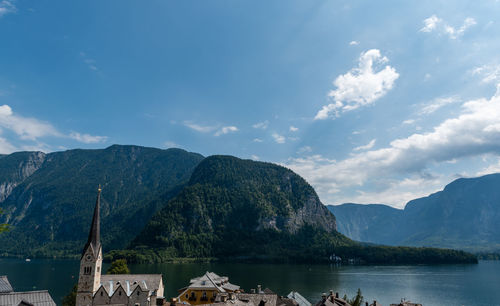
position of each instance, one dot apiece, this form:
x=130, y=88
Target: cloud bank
x=475, y=132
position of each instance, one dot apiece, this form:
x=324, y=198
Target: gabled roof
x=36, y=298
x=5, y=285
x=129, y=282
x=212, y=280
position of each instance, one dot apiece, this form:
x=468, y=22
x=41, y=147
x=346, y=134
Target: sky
x=369, y=101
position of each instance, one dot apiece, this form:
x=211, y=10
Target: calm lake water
x=430, y=285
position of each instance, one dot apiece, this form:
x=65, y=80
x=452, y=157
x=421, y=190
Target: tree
x=118, y=266
x=70, y=299
x=4, y=226
x=357, y=300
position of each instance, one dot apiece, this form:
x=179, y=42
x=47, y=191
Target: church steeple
x=94, y=239
x=91, y=261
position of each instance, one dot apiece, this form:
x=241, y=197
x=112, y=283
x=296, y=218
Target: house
x=118, y=289
x=29, y=298
x=332, y=300
x=204, y=289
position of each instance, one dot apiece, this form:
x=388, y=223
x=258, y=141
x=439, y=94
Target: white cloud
x=437, y=103
x=6, y=147
x=409, y=121
x=31, y=129
x=493, y=168
x=360, y=86
x=7, y=7
x=368, y=146
x=354, y=43
x=86, y=138
x=278, y=138
x=431, y=23
x=171, y=144
x=254, y=157
x=435, y=23
x=489, y=73
x=261, y=125
x=293, y=129
x=25, y=128
x=225, y=130
x=304, y=149
x=257, y=140
x=199, y=128
x=91, y=63
x=475, y=131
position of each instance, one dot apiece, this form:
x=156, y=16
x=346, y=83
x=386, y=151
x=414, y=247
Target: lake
x=430, y=285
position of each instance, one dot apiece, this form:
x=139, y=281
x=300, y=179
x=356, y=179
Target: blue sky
x=371, y=102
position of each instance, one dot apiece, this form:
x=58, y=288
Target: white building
x=117, y=289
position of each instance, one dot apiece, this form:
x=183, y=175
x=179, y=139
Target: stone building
x=118, y=289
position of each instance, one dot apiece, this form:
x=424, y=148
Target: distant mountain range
x=465, y=215
x=158, y=205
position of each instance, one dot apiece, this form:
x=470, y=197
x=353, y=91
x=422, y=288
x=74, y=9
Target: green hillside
x=50, y=209
x=247, y=210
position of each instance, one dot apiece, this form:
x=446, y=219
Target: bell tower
x=91, y=261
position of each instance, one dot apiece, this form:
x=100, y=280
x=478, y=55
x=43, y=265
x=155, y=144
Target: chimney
x=366, y=304
x=259, y=289
x=336, y=295
x=323, y=297
x=173, y=301
x=252, y=290
x=331, y=296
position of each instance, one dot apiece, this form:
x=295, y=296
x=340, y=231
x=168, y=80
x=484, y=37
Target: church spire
x=95, y=230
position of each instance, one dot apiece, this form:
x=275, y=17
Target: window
x=119, y=293
x=204, y=296
x=138, y=293
x=87, y=270
x=102, y=293
x=193, y=296
x=98, y=269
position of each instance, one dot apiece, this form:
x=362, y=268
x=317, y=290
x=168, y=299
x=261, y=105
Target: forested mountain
x=175, y=204
x=464, y=215
x=48, y=198
x=233, y=208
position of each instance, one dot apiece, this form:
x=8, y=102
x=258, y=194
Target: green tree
x=4, y=226
x=118, y=266
x=70, y=298
x=357, y=300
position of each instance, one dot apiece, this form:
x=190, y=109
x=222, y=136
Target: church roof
x=36, y=298
x=147, y=282
x=94, y=239
x=5, y=285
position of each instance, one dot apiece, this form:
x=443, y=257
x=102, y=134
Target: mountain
x=374, y=223
x=233, y=207
x=242, y=209
x=464, y=215
x=48, y=198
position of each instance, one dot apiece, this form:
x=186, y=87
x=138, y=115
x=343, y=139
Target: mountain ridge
x=463, y=215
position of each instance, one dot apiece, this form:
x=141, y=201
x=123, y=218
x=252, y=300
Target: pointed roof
x=94, y=240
